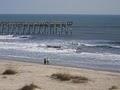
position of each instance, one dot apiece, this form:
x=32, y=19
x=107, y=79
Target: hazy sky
x=60, y=7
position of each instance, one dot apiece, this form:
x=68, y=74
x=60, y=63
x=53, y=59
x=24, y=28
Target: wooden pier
x=33, y=28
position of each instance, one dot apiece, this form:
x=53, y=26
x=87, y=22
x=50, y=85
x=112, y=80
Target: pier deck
x=42, y=27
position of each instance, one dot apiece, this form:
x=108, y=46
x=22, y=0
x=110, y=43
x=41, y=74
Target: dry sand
x=40, y=75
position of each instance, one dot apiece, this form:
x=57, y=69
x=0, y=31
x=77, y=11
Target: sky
x=60, y=7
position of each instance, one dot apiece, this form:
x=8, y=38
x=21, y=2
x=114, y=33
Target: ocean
x=94, y=43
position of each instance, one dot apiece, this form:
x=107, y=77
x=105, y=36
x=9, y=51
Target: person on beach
x=45, y=61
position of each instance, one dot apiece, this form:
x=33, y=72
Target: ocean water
x=95, y=42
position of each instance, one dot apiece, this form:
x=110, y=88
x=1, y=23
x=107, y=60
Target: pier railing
x=29, y=28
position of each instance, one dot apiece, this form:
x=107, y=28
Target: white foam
x=4, y=37
x=8, y=37
x=101, y=56
x=65, y=49
x=33, y=47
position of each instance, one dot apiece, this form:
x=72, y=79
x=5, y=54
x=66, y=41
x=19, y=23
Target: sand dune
x=40, y=75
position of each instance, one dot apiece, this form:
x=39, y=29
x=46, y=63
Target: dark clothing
x=45, y=61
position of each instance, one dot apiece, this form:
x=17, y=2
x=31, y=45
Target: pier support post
x=27, y=28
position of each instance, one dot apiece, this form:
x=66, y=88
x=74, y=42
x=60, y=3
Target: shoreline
x=42, y=63
x=40, y=75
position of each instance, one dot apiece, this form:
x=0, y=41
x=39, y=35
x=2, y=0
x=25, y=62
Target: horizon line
x=50, y=14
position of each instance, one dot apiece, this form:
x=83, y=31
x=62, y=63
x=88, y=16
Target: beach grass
x=113, y=88
x=68, y=77
x=29, y=87
x=79, y=79
x=61, y=76
x=9, y=72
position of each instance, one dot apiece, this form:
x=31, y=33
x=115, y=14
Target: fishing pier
x=34, y=28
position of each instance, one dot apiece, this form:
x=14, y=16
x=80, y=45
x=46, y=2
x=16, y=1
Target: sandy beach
x=40, y=75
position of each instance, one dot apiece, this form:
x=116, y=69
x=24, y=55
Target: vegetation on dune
x=61, y=76
x=9, y=72
x=113, y=88
x=29, y=87
x=80, y=79
x=68, y=77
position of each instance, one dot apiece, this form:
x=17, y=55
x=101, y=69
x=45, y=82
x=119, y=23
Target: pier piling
x=28, y=28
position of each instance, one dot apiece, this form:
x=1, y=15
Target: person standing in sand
x=44, y=61
x=47, y=61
